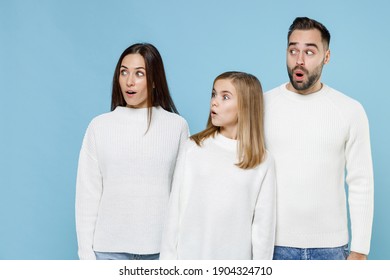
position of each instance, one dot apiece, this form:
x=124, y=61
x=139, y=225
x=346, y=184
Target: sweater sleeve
x=360, y=182
x=171, y=227
x=264, y=220
x=89, y=188
x=184, y=134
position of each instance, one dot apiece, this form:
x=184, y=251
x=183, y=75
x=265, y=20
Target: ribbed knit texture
x=216, y=209
x=124, y=180
x=314, y=138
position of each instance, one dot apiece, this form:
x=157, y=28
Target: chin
x=215, y=123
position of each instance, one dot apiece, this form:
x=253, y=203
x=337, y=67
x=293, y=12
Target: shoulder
x=97, y=126
x=102, y=119
x=341, y=98
x=347, y=106
x=276, y=90
x=189, y=146
x=273, y=94
x=269, y=160
x=267, y=166
x=173, y=118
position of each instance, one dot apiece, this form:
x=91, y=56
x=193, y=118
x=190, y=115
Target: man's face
x=306, y=55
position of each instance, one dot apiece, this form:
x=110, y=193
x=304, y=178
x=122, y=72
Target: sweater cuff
x=87, y=255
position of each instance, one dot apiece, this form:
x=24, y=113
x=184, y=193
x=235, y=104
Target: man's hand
x=356, y=256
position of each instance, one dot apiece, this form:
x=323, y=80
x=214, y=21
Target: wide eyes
x=125, y=72
x=224, y=96
x=139, y=74
x=307, y=52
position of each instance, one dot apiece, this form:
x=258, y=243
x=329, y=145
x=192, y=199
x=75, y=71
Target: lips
x=299, y=74
x=213, y=114
x=130, y=92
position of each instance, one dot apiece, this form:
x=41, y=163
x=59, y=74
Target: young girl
x=126, y=163
x=222, y=205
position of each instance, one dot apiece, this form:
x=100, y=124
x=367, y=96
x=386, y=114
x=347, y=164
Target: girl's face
x=224, y=108
x=132, y=80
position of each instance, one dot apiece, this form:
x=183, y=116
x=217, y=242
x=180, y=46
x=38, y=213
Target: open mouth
x=299, y=75
x=131, y=92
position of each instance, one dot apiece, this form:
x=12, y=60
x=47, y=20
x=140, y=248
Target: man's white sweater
x=124, y=180
x=314, y=138
x=218, y=210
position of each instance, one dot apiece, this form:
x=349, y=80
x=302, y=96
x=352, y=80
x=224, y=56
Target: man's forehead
x=306, y=37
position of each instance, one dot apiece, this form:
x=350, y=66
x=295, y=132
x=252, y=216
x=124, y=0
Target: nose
x=300, y=60
x=214, y=102
x=130, y=80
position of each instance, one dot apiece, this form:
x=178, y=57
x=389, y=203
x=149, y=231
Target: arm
x=89, y=188
x=360, y=183
x=264, y=220
x=184, y=134
x=170, y=233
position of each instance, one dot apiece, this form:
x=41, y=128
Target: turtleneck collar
x=135, y=113
x=225, y=142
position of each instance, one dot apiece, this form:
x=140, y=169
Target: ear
x=327, y=56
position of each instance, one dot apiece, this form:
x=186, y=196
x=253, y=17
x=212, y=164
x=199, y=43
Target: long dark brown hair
x=157, y=86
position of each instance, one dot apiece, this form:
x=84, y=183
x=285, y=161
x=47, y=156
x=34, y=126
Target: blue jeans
x=125, y=256
x=290, y=253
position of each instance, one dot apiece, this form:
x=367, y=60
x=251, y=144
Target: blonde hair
x=250, y=128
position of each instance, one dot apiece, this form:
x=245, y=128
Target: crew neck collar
x=303, y=97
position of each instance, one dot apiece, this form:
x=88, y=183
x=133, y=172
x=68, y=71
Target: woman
x=126, y=162
x=222, y=204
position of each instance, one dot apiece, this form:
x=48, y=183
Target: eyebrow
x=307, y=45
x=224, y=91
x=140, y=67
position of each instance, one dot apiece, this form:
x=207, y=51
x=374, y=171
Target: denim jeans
x=290, y=253
x=125, y=256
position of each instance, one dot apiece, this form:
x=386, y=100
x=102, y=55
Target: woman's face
x=132, y=80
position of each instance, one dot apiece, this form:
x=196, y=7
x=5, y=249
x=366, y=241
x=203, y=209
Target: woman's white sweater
x=124, y=180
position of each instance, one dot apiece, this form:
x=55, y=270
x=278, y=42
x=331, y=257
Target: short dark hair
x=305, y=23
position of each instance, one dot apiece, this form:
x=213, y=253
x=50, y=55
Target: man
x=316, y=134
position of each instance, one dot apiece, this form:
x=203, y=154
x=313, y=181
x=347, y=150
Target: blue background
x=57, y=59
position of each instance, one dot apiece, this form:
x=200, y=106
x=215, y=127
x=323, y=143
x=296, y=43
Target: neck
x=316, y=87
x=229, y=132
x=136, y=107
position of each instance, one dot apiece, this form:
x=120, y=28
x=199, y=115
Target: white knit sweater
x=124, y=180
x=218, y=210
x=314, y=138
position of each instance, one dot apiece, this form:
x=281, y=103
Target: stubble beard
x=311, y=78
